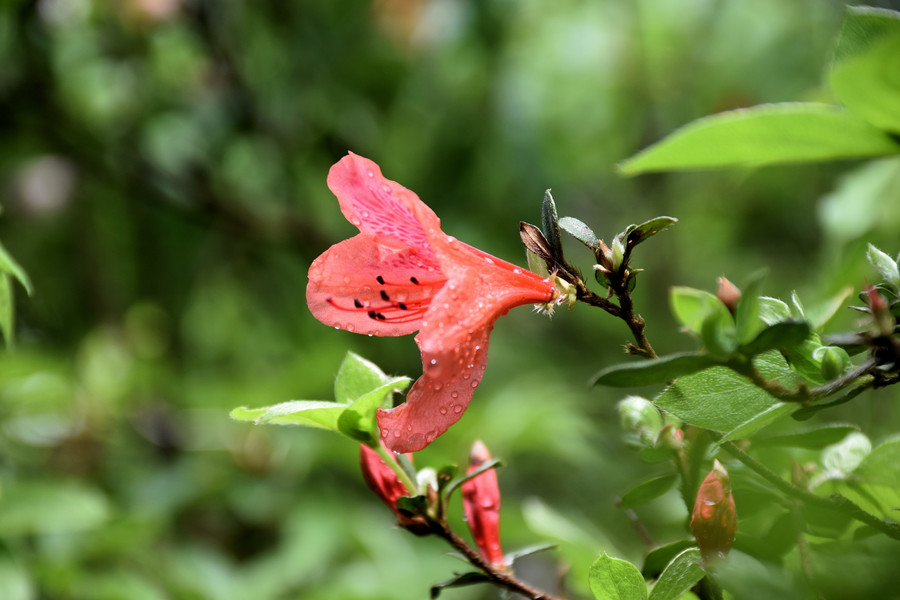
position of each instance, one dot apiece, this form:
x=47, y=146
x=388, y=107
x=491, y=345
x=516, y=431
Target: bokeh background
x=163, y=170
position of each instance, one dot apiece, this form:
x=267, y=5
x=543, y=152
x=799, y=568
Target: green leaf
x=357, y=376
x=846, y=455
x=358, y=420
x=461, y=580
x=692, y=307
x=886, y=266
x=579, y=231
x=785, y=334
x=656, y=370
x=762, y=135
x=864, y=198
x=720, y=399
x=11, y=267
x=824, y=310
x=550, y=226
x=616, y=579
x=814, y=438
x=648, y=490
x=882, y=465
x=679, y=576
x=773, y=310
x=512, y=557
x=50, y=507
x=6, y=310
x=719, y=334
x=746, y=319
x=649, y=228
x=864, y=26
x=760, y=420
x=307, y=413
x=868, y=83
x=657, y=559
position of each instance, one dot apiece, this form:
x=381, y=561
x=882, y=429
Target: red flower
x=481, y=504
x=402, y=274
x=714, y=520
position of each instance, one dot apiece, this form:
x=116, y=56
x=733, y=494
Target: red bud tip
x=728, y=294
x=481, y=504
x=381, y=479
x=714, y=520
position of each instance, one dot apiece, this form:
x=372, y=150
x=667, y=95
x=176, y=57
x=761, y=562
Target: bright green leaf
x=886, y=266
x=692, y=307
x=6, y=309
x=719, y=334
x=863, y=198
x=648, y=490
x=761, y=135
x=773, y=310
x=579, y=231
x=868, y=83
x=616, y=579
x=864, y=26
x=656, y=370
x=785, y=334
x=720, y=399
x=307, y=413
x=882, y=465
x=355, y=377
x=657, y=559
x=746, y=319
x=50, y=507
x=679, y=576
x=848, y=454
x=358, y=421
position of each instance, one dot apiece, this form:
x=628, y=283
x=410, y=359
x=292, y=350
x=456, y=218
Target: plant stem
x=389, y=459
x=835, y=502
x=497, y=576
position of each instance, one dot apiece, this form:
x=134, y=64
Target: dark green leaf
x=679, y=576
x=762, y=135
x=746, y=319
x=814, y=438
x=462, y=580
x=550, y=227
x=10, y=266
x=657, y=559
x=512, y=557
x=6, y=309
x=786, y=334
x=720, y=399
x=863, y=26
x=868, y=83
x=616, y=579
x=656, y=370
x=355, y=377
x=648, y=490
x=491, y=464
x=308, y=413
x=358, y=420
x=638, y=233
x=579, y=231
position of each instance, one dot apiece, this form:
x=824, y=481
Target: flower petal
x=380, y=207
x=362, y=286
x=440, y=396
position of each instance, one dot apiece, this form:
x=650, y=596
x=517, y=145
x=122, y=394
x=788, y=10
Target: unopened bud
x=481, y=504
x=881, y=312
x=728, y=294
x=640, y=416
x=382, y=480
x=834, y=361
x=714, y=520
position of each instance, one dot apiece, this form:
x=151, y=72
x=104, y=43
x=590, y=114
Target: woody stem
x=497, y=576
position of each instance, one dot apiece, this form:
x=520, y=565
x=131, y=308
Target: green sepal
x=359, y=422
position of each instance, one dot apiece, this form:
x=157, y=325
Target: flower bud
x=382, y=480
x=728, y=294
x=714, y=520
x=481, y=504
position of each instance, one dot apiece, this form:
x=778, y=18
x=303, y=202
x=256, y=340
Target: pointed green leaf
x=579, y=231
x=550, y=226
x=657, y=559
x=868, y=83
x=746, y=319
x=773, y=310
x=720, y=399
x=719, y=334
x=638, y=233
x=356, y=376
x=306, y=413
x=864, y=26
x=762, y=135
x=886, y=266
x=616, y=579
x=358, y=420
x=461, y=580
x=786, y=334
x=648, y=490
x=679, y=576
x=10, y=266
x=692, y=307
x=656, y=370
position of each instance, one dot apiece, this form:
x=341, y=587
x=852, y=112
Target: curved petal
x=439, y=397
x=362, y=286
x=378, y=206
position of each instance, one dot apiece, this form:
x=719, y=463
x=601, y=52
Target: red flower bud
x=481, y=503
x=381, y=479
x=714, y=520
x=728, y=294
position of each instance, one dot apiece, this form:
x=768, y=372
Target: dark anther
x=372, y=314
x=414, y=280
x=380, y=279
x=380, y=316
x=401, y=306
x=384, y=296
x=357, y=303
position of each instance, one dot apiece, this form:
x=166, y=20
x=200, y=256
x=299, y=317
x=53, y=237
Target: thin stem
x=497, y=576
x=835, y=502
x=402, y=475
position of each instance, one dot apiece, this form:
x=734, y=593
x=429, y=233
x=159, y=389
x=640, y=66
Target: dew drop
x=386, y=188
x=450, y=239
x=431, y=435
x=433, y=361
x=365, y=214
x=457, y=408
x=466, y=375
x=384, y=433
x=517, y=272
x=454, y=395
x=396, y=434
x=409, y=427
x=477, y=348
x=355, y=221
x=437, y=385
x=370, y=173
x=351, y=328
x=469, y=366
x=488, y=260
x=474, y=384
x=346, y=279
x=443, y=410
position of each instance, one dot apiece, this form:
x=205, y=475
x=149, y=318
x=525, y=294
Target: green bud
x=638, y=415
x=834, y=361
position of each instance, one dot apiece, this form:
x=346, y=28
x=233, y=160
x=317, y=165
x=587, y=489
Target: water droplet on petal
x=470, y=366
x=443, y=410
x=346, y=279
x=370, y=173
x=384, y=433
x=396, y=434
x=454, y=395
x=437, y=386
x=474, y=384
x=350, y=328
x=477, y=348
x=386, y=188
x=355, y=221
x=488, y=260
x=450, y=239
x=409, y=427
x=457, y=408
x=517, y=272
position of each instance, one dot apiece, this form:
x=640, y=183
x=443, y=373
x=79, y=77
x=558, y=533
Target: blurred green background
x=163, y=169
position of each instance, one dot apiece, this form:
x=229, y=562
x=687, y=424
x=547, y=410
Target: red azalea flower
x=481, y=504
x=402, y=274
